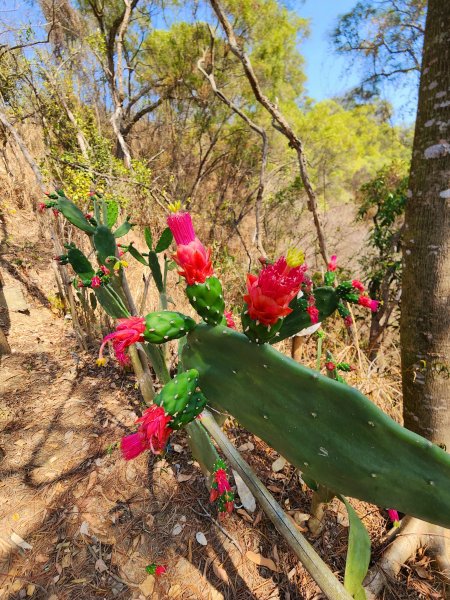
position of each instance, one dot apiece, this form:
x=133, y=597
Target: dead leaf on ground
x=220, y=573
x=262, y=561
x=183, y=477
x=275, y=489
x=244, y=514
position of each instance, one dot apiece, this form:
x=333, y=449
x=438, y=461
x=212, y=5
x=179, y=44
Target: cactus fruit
x=327, y=301
x=258, y=332
x=166, y=325
x=181, y=399
x=330, y=431
x=207, y=299
x=196, y=403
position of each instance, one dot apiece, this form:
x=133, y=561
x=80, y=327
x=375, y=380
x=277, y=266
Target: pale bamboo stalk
x=316, y=567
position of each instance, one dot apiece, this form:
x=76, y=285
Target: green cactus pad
x=166, y=325
x=193, y=408
x=80, y=264
x=176, y=394
x=326, y=302
x=105, y=243
x=257, y=332
x=330, y=431
x=111, y=302
x=74, y=215
x=207, y=299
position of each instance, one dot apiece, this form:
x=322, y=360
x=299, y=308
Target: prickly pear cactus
x=181, y=399
x=330, y=431
x=207, y=299
x=166, y=325
x=193, y=408
x=175, y=394
x=257, y=332
x=327, y=301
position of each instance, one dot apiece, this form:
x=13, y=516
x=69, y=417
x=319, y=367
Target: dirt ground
x=78, y=522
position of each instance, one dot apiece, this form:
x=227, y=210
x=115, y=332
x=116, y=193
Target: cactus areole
x=330, y=431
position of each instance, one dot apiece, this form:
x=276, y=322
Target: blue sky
x=329, y=74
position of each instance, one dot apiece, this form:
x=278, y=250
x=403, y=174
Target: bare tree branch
x=279, y=121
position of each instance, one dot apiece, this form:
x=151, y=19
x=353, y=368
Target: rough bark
x=425, y=319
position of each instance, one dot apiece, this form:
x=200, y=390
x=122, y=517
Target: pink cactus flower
x=368, y=303
x=160, y=570
x=42, y=207
x=55, y=211
x=333, y=263
x=221, y=478
x=330, y=366
x=229, y=318
x=270, y=293
x=393, y=515
x=153, y=433
x=88, y=216
x=104, y=270
x=96, y=282
x=358, y=285
x=191, y=256
x=313, y=314
x=128, y=332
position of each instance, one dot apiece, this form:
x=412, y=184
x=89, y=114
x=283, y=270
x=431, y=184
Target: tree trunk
x=425, y=320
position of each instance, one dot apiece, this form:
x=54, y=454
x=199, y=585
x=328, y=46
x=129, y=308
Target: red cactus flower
x=333, y=263
x=214, y=494
x=368, y=303
x=42, y=207
x=313, y=314
x=160, y=570
x=55, y=211
x=104, y=270
x=96, y=282
x=80, y=284
x=88, y=216
x=270, y=293
x=153, y=433
x=358, y=285
x=229, y=318
x=223, y=485
x=128, y=332
x=191, y=256
x=330, y=366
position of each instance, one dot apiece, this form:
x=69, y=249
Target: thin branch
x=279, y=121
x=259, y=130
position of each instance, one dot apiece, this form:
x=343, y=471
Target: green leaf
x=136, y=254
x=358, y=554
x=112, y=212
x=148, y=237
x=123, y=229
x=164, y=241
x=156, y=270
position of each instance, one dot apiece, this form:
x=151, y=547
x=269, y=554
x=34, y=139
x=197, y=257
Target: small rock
x=177, y=529
x=201, y=539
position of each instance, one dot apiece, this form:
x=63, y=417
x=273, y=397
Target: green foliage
x=330, y=431
x=383, y=200
x=358, y=554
